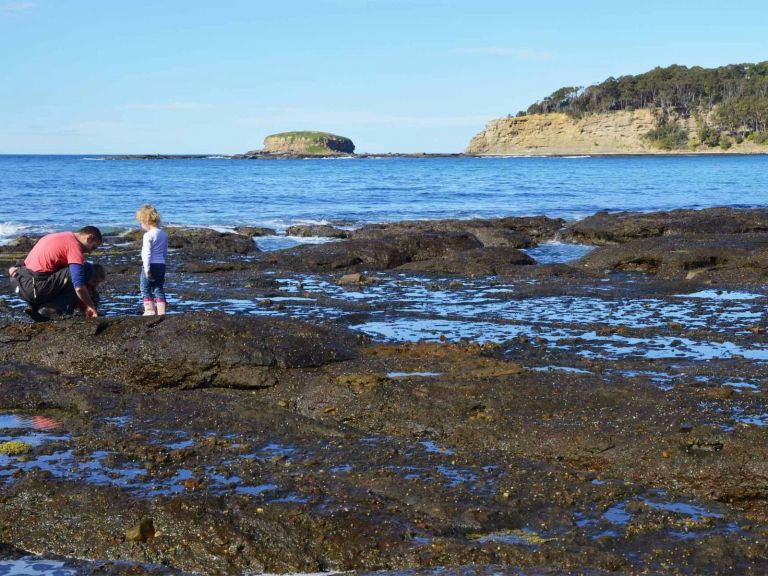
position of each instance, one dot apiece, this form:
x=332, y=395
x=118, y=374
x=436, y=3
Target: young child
x=154, y=250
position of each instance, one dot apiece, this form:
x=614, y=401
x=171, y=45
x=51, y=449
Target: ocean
x=45, y=193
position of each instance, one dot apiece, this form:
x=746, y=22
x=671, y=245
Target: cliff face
x=308, y=143
x=603, y=133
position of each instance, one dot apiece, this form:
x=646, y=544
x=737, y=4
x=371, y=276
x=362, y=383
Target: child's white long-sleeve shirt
x=154, y=248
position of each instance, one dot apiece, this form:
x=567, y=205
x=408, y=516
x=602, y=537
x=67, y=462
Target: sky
x=173, y=76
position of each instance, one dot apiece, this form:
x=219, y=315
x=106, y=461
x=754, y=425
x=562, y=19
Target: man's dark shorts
x=38, y=288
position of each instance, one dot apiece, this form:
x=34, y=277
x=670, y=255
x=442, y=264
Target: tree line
x=736, y=95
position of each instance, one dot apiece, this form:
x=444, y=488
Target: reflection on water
x=18, y=421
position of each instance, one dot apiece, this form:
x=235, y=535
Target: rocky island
x=303, y=143
x=667, y=110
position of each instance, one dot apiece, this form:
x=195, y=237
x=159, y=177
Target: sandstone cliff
x=320, y=143
x=601, y=133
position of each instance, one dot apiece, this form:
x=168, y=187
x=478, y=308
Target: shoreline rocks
x=204, y=349
x=553, y=419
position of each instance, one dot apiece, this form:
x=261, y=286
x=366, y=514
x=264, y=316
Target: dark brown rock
x=310, y=230
x=476, y=262
x=141, y=532
x=197, y=242
x=255, y=231
x=377, y=253
x=742, y=257
x=514, y=232
x=617, y=227
x=189, y=351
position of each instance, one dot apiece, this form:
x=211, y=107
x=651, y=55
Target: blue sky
x=164, y=76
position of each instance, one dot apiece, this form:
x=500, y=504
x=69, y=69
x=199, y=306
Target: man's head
x=89, y=237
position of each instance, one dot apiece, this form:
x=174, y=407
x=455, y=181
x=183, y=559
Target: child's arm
x=146, y=250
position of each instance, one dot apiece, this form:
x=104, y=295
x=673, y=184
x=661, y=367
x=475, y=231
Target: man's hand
x=85, y=298
x=13, y=271
x=148, y=274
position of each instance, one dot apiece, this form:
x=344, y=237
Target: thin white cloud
x=525, y=54
x=170, y=106
x=15, y=7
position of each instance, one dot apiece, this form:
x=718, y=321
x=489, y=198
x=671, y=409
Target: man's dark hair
x=91, y=231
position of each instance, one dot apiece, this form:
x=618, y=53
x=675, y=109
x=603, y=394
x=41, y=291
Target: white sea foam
x=270, y=243
x=9, y=230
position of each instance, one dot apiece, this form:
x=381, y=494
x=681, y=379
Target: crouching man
x=55, y=266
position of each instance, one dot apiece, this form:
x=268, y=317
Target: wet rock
x=516, y=232
x=348, y=279
x=213, y=267
x=380, y=253
x=255, y=231
x=141, y=532
x=730, y=257
x=312, y=230
x=193, y=350
x=360, y=383
x=476, y=262
x=611, y=228
x=200, y=242
x=19, y=244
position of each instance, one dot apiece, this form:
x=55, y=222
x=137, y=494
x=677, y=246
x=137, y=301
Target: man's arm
x=77, y=274
x=85, y=298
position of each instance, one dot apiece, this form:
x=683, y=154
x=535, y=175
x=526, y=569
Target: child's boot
x=160, y=308
x=149, y=308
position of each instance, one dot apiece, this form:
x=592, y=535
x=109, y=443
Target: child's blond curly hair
x=148, y=214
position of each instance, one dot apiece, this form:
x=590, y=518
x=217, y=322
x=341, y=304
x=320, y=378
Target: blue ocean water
x=44, y=193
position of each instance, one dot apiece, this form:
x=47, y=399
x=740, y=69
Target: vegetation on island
x=729, y=104
x=311, y=142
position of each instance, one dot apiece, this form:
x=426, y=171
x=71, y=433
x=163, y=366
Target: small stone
x=665, y=454
x=142, y=532
x=191, y=484
x=348, y=279
x=329, y=410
